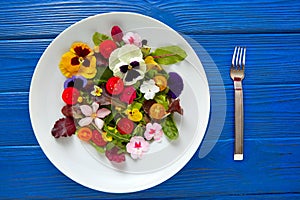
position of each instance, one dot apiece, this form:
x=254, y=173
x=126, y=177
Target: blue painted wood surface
x=269, y=29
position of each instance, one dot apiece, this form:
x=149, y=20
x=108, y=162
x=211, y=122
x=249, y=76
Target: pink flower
x=154, y=131
x=92, y=113
x=133, y=38
x=137, y=146
x=128, y=95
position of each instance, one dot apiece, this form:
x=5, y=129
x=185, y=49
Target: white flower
x=92, y=113
x=132, y=38
x=127, y=63
x=149, y=89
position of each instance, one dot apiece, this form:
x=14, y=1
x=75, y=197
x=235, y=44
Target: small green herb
x=99, y=37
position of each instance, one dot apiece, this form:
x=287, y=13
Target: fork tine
x=240, y=58
x=233, y=57
x=244, y=58
x=237, y=58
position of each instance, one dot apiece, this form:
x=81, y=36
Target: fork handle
x=239, y=120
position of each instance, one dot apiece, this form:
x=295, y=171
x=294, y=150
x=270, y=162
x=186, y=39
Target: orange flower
x=78, y=61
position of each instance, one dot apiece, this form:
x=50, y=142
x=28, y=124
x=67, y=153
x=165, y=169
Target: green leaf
x=169, y=55
x=99, y=37
x=135, y=105
x=139, y=130
x=162, y=99
x=109, y=146
x=99, y=149
x=169, y=128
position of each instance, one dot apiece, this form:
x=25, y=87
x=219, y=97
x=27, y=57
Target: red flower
x=106, y=47
x=128, y=95
x=116, y=33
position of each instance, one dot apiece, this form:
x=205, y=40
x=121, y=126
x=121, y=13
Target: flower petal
x=99, y=123
x=114, y=59
x=103, y=112
x=95, y=106
x=128, y=51
x=149, y=95
x=86, y=110
x=85, y=121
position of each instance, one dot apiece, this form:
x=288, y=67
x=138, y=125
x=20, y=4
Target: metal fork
x=237, y=74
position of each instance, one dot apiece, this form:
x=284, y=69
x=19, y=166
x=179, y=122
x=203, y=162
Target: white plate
x=84, y=165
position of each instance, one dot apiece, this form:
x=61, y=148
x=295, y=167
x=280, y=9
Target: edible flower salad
x=117, y=95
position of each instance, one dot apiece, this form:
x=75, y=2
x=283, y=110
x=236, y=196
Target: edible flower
x=97, y=91
x=137, y=146
x=134, y=115
x=106, y=138
x=92, y=113
x=127, y=63
x=154, y=131
x=78, y=82
x=133, y=38
x=79, y=60
x=150, y=62
x=116, y=33
x=175, y=84
x=149, y=89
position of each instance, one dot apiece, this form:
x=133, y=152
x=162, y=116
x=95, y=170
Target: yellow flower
x=150, y=62
x=79, y=60
x=134, y=115
x=97, y=91
x=106, y=138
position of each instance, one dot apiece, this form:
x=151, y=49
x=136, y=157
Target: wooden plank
x=265, y=110
x=269, y=168
x=267, y=58
x=44, y=19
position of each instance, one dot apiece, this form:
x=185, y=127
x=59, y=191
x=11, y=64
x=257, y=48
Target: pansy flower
x=92, y=113
x=133, y=38
x=149, y=88
x=78, y=82
x=134, y=115
x=137, y=147
x=97, y=91
x=153, y=131
x=175, y=84
x=127, y=63
x=79, y=60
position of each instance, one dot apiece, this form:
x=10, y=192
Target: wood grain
x=270, y=31
x=221, y=177
x=44, y=19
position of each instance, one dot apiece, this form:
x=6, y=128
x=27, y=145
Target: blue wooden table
x=269, y=29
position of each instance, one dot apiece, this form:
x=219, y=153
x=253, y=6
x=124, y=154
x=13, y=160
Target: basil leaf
x=99, y=37
x=169, y=55
x=169, y=128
